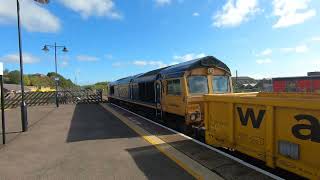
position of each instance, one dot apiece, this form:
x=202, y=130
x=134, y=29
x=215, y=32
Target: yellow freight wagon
x=282, y=130
x=196, y=98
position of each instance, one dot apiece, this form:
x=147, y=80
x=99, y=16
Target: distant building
x=310, y=83
x=16, y=88
x=244, y=80
x=316, y=73
x=244, y=84
x=248, y=84
x=265, y=85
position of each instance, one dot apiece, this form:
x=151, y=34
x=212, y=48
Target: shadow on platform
x=91, y=122
x=155, y=129
x=13, y=120
x=156, y=165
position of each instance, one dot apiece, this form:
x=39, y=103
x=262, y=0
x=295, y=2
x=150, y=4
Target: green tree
x=98, y=86
x=6, y=72
x=14, y=77
x=63, y=82
x=41, y=81
x=26, y=80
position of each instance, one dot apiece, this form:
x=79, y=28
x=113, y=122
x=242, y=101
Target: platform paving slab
x=13, y=120
x=82, y=142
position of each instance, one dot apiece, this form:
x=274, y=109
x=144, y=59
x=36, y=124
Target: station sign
x=1, y=69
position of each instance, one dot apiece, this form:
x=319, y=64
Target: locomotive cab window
x=220, y=84
x=174, y=87
x=198, y=85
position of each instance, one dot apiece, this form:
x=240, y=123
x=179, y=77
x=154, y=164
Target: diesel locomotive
x=174, y=94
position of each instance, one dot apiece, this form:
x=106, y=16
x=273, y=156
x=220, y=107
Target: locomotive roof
x=175, y=70
x=125, y=80
x=179, y=69
x=149, y=76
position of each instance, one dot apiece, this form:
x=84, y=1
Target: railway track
x=235, y=156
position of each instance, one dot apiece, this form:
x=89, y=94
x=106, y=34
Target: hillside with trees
x=98, y=86
x=38, y=80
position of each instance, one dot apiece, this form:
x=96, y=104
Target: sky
x=111, y=39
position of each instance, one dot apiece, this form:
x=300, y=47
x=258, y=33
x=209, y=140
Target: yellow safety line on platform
x=192, y=167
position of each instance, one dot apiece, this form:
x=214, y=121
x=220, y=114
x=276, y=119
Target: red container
x=279, y=86
x=297, y=84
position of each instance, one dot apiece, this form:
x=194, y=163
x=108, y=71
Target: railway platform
x=92, y=141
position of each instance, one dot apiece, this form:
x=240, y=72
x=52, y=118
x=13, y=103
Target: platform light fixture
x=45, y=48
x=64, y=49
x=42, y=1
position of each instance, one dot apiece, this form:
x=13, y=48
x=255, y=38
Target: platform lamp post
x=24, y=118
x=3, y=121
x=56, y=79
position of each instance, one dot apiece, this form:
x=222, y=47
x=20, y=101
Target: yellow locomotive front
x=185, y=86
x=202, y=81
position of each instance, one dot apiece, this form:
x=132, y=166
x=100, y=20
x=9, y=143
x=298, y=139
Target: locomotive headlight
x=193, y=116
x=194, y=112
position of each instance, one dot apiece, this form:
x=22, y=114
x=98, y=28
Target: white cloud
x=195, y=14
x=291, y=12
x=117, y=64
x=308, y=64
x=297, y=49
x=150, y=63
x=160, y=64
x=316, y=38
x=64, y=63
x=315, y=62
x=34, y=17
x=88, y=8
x=140, y=63
x=108, y=56
x=264, y=61
x=265, y=52
x=188, y=57
x=14, y=58
x=235, y=12
x=163, y=2
x=87, y=58
x=263, y=75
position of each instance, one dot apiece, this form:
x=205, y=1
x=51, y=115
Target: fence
x=13, y=100
x=81, y=96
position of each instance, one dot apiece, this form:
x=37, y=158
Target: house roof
x=244, y=80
